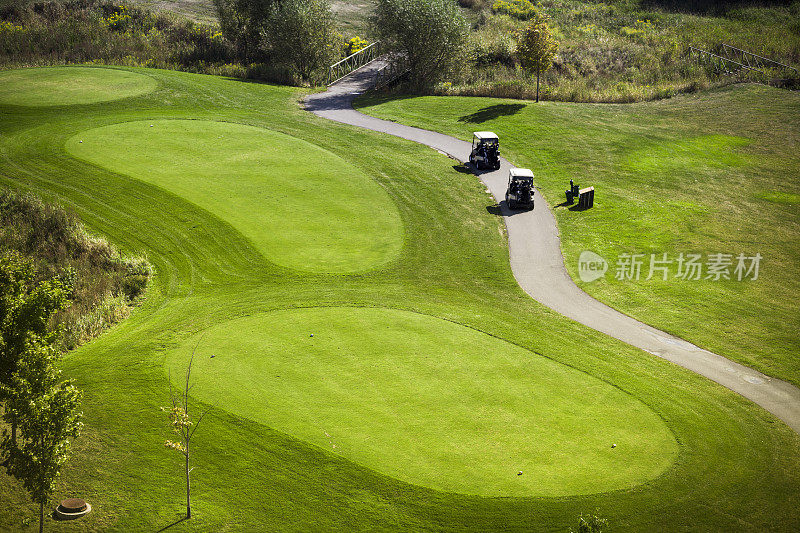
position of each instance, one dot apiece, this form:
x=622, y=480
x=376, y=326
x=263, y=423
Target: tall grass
x=82, y=31
x=621, y=51
x=105, y=283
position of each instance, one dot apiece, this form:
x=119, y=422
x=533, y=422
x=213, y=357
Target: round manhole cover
x=73, y=505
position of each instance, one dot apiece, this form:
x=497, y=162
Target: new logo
x=591, y=266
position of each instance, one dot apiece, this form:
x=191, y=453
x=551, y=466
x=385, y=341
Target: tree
x=298, y=34
x=181, y=423
x=26, y=307
x=536, y=49
x=244, y=23
x=429, y=34
x=46, y=412
x=302, y=36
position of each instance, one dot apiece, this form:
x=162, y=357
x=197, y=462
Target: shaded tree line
x=297, y=35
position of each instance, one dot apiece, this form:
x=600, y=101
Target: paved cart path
x=538, y=266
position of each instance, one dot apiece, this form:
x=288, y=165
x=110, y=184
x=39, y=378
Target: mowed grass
x=737, y=467
x=428, y=401
x=710, y=174
x=303, y=207
x=57, y=86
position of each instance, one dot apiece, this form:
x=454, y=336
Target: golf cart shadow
x=464, y=168
x=502, y=210
x=477, y=171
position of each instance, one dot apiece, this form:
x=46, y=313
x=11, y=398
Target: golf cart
x=485, y=150
x=520, y=189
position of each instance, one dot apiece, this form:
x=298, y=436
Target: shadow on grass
x=492, y=112
x=464, y=168
x=707, y=7
x=172, y=524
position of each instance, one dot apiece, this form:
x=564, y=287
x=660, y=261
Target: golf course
x=355, y=328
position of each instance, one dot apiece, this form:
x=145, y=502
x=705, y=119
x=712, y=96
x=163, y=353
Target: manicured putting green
x=302, y=206
x=52, y=86
x=428, y=401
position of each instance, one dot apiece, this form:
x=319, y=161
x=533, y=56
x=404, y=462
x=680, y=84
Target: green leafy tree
x=244, y=23
x=297, y=34
x=46, y=412
x=302, y=36
x=536, y=49
x=429, y=34
x=181, y=423
x=26, y=306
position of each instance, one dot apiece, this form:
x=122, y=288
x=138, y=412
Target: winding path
x=538, y=266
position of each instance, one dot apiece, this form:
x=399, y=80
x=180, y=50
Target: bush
x=354, y=45
x=103, y=282
x=82, y=31
x=519, y=9
x=429, y=34
x=301, y=35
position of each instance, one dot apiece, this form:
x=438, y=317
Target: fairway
x=301, y=206
x=428, y=401
x=431, y=379
x=54, y=86
x=710, y=174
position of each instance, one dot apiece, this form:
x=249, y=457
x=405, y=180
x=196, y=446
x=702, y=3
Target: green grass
x=737, y=467
x=300, y=205
x=428, y=401
x=685, y=176
x=58, y=86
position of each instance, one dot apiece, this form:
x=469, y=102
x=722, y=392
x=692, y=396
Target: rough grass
x=737, y=466
x=695, y=175
x=105, y=284
x=624, y=51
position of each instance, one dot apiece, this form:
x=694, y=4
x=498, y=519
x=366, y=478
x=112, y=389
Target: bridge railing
x=342, y=68
x=756, y=61
x=731, y=60
x=718, y=63
x=396, y=66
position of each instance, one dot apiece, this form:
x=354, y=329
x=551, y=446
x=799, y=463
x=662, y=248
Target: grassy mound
x=70, y=85
x=428, y=401
x=301, y=206
x=714, y=174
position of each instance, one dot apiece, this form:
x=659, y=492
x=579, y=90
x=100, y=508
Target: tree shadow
x=492, y=112
x=172, y=524
x=708, y=7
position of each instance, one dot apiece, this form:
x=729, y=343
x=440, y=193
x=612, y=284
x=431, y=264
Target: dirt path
x=538, y=266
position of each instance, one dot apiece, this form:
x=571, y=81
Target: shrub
x=519, y=9
x=430, y=34
x=354, y=45
x=301, y=35
x=103, y=282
